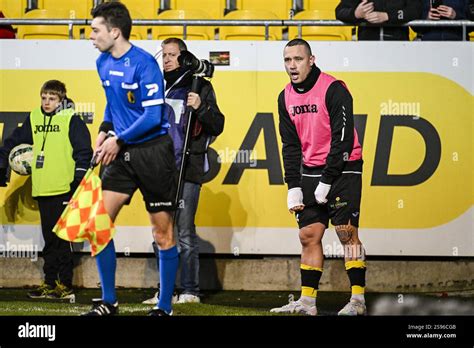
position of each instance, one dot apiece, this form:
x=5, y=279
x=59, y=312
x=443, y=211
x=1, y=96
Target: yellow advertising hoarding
x=416, y=129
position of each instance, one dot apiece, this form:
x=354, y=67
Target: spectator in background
x=436, y=10
x=378, y=12
x=6, y=31
x=471, y=10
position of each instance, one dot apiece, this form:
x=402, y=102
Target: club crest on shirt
x=131, y=97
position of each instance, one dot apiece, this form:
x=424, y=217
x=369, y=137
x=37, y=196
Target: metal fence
x=464, y=24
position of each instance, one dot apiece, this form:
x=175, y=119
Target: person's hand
x=194, y=100
x=3, y=177
x=321, y=193
x=295, y=199
x=364, y=9
x=100, y=139
x=434, y=14
x=377, y=17
x=107, y=152
x=446, y=12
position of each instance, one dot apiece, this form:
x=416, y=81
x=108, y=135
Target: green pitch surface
x=227, y=303
x=14, y=302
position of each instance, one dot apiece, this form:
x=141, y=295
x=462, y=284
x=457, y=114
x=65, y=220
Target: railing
x=229, y=23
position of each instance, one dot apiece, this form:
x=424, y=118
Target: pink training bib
x=311, y=118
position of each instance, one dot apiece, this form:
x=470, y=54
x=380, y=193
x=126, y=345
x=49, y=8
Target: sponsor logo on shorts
x=161, y=204
x=338, y=203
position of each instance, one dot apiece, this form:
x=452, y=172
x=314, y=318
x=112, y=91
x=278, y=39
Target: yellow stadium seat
x=139, y=9
x=138, y=32
x=78, y=9
x=148, y=8
x=214, y=8
x=250, y=32
x=281, y=8
x=13, y=8
x=321, y=4
x=319, y=33
x=53, y=32
x=192, y=32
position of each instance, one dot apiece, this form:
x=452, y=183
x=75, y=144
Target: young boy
x=61, y=155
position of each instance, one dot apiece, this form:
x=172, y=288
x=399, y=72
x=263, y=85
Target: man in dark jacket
x=209, y=123
x=443, y=10
x=377, y=12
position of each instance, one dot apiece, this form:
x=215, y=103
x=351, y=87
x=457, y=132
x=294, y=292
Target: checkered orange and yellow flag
x=85, y=217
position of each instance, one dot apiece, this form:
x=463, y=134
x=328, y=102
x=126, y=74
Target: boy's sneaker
x=296, y=307
x=41, y=291
x=354, y=308
x=62, y=292
x=158, y=312
x=154, y=300
x=188, y=298
x=101, y=308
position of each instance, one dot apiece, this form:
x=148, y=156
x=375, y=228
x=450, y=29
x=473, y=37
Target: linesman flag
x=85, y=217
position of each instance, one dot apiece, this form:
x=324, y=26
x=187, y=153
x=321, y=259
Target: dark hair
x=300, y=42
x=115, y=15
x=54, y=87
x=174, y=40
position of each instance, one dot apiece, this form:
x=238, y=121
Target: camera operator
x=209, y=123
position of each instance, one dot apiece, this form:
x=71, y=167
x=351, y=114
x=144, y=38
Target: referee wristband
x=120, y=142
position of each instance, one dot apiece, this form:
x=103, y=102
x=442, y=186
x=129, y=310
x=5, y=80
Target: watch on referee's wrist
x=120, y=142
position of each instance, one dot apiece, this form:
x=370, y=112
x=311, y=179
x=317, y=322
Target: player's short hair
x=174, y=40
x=300, y=42
x=55, y=87
x=115, y=15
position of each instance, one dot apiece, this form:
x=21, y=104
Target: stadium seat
x=13, y=8
x=320, y=33
x=321, y=4
x=148, y=8
x=250, y=32
x=138, y=32
x=281, y=8
x=192, y=32
x=471, y=36
x=78, y=9
x=214, y=8
x=52, y=32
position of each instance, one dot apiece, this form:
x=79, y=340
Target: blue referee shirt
x=134, y=89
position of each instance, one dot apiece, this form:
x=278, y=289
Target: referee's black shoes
x=101, y=308
x=157, y=312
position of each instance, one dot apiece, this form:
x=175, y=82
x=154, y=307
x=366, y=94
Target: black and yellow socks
x=310, y=277
x=356, y=272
